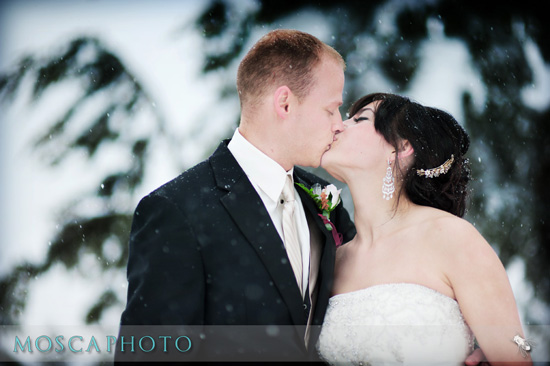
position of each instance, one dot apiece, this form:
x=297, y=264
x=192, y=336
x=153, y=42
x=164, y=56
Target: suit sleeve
x=166, y=285
x=165, y=281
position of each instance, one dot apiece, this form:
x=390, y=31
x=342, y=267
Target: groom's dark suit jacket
x=204, y=251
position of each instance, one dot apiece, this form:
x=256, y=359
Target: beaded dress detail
x=394, y=324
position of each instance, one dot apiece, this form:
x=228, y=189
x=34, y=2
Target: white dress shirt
x=268, y=178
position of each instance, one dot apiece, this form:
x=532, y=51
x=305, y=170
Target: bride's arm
x=483, y=291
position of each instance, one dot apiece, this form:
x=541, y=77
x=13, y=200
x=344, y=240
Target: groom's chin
x=328, y=164
x=325, y=160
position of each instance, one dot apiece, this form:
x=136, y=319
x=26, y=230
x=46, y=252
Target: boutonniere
x=326, y=199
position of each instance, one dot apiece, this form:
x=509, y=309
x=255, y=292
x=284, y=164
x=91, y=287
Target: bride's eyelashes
x=357, y=120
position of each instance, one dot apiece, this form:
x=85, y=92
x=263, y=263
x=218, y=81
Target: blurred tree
x=117, y=97
x=510, y=138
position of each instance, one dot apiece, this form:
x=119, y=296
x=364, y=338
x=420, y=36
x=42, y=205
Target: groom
x=210, y=250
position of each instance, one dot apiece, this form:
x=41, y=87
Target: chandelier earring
x=388, y=188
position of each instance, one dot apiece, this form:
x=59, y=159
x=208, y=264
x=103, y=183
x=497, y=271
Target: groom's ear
x=281, y=101
x=405, y=149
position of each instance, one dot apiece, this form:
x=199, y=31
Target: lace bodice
x=391, y=324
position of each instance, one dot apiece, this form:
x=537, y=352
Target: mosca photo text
x=76, y=344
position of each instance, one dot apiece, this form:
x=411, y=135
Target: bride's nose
x=348, y=122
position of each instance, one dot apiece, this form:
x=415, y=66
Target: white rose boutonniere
x=326, y=199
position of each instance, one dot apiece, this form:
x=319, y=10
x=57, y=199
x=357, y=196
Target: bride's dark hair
x=434, y=135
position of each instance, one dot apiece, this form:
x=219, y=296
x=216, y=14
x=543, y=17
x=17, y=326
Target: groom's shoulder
x=200, y=177
x=190, y=181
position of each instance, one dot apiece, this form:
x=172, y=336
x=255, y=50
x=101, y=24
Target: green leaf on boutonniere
x=326, y=198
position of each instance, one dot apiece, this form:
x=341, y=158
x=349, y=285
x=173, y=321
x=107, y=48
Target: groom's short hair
x=281, y=57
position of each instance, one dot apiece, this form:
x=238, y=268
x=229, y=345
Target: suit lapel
x=326, y=263
x=248, y=212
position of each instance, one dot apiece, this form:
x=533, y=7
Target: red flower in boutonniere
x=326, y=199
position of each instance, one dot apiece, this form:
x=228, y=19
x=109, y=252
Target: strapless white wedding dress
x=394, y=324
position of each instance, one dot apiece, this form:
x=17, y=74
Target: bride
x=418, y=282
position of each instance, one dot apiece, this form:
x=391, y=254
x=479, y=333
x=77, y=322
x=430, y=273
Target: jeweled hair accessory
x=436, y=172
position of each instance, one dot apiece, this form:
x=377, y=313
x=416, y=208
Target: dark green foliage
x=88, y=235
x=107, y=299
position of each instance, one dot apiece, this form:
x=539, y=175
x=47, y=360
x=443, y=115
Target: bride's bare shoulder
x=443, y=220
x=443, y=227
